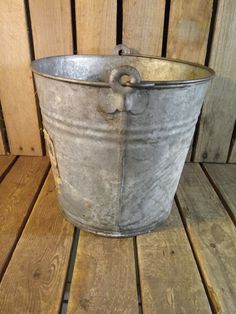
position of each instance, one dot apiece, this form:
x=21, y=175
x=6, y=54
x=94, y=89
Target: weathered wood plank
x=51, y=27
x=104, y=276
x=212, y=234
x=143, y=23
x=219, y=110
x=224, y=180
x=18, y=193
x=189, y=24
x=5, y=163
x=96, y=26
x=16, y=84
x=166, y=287
x=35, y=277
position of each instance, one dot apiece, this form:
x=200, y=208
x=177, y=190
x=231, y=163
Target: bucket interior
x=98, y=68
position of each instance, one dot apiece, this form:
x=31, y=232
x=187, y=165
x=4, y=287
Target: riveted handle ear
x=121, y=50
x=115, y=79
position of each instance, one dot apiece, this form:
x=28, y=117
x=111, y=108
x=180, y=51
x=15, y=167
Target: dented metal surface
x=118, y=150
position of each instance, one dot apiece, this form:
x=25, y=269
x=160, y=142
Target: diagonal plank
x=18, y=193
x=224, y=179
x=170, y=281
x=213, y=237
x=35, y=277
x=104, y=278
x=5, y=163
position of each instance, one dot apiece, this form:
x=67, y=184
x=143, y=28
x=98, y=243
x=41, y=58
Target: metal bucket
x=118, y=148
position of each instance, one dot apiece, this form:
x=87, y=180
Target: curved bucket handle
x=116, y=75
x=124, y=98
x=115, y=79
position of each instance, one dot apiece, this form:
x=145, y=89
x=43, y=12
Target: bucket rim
x=140, y=85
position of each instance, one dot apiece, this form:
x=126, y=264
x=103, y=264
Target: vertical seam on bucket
x=123, y=147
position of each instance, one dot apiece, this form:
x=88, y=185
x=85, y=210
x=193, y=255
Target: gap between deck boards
x=143, y=274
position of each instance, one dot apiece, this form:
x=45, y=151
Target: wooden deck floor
x=48, y=266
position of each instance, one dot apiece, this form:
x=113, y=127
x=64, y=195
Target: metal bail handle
x=118, y=73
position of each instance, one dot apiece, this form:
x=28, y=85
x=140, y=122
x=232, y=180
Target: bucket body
x=118, y=149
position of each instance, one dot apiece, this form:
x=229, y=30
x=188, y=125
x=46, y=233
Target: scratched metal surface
x=118, y=151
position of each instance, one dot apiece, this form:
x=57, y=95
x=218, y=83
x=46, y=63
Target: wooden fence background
x=202, y=31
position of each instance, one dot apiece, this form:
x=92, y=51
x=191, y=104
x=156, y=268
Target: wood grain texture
x=5, y=163
x=219, y=110
x=16, y=84
x=51, y=27
x=143, y=23
x=35, y=277
x=212, y=234
x=104, y=276
x=18, y=192
x=96, y=26
x=166, y=287
x=189, y=24
x=224, y=180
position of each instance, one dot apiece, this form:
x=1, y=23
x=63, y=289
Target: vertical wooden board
x=188, y=32
x=51, y=27
x=143, y=23
x=5, y=163
x=96, y=26
x=166, y=286
x=35, y=278
x=213, y=236
x=219, y=110
x=16, y=84
x=104, y=276
x=189, y=24
x=224, y=179
x=18, y=193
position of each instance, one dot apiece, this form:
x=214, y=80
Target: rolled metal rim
x=140, y=85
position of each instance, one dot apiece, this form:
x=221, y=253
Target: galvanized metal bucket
x=118, y=147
